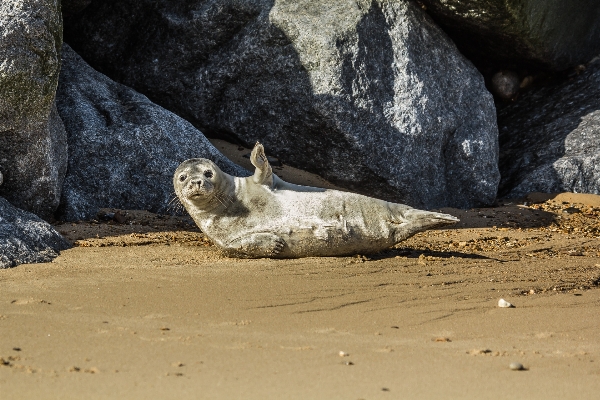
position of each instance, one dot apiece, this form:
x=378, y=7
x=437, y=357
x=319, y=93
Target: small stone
x=119, y=218
x=504, y=304
x=527, y=81
x=506, y=84
x=343, y=354
x=105, y=216
x=515, y=366
x=479, y=352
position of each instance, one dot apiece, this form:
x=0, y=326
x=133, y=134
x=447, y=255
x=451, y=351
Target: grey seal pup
x=264, y=216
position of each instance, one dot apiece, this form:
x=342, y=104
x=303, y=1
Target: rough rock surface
x=553, y=34
x=33, y=153
x=371, y=95
x=550, y=139
x=25, y=238
x=123, y=149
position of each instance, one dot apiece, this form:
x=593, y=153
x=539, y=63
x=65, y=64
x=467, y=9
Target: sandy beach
x=148, y=308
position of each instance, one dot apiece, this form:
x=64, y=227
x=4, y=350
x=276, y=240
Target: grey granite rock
x=25, y=238
x=550, y=138
x=552, y=34
x=123, y=149
x=371, y=95
x=33, y=153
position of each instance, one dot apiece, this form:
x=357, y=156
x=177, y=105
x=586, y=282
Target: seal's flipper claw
x=258, y=157
x=256, y=245
x=263, y=175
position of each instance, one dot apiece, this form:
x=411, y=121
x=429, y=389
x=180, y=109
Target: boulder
x=371, y=95
x=123, y=149
x=548, y=34
x=25, y=238
x=550, y=138
x=33, y=153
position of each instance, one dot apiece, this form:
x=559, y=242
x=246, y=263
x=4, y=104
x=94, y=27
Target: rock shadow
x=367, y=80
x=509, y=215
x=534, y=135
x=411, y=253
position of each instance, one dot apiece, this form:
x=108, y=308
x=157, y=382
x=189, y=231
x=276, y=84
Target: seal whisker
x=173, y=198
x=227, y=199
x=223, y=198
x=174, y=205
x=219, y=200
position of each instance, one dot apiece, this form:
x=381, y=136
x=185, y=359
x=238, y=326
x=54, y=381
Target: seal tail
x=416, y=221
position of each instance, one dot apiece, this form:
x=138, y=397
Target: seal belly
x=332, y=223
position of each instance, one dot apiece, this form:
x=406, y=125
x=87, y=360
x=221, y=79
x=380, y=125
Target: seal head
x=201, y=185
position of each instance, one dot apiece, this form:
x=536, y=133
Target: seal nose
x=199, y=182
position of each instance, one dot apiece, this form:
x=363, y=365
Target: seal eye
x=208, y=174
x=182, y=177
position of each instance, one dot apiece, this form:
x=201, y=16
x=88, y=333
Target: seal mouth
x=196, y=194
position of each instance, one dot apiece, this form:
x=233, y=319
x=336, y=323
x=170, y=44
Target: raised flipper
x=263, y=175
x=415, y=221
x=255, y=245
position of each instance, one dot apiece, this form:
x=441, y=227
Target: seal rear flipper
x=416, y=221
x=255, y=245
x=263, y=175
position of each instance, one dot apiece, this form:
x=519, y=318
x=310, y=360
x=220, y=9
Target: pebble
x=506, y=84
x=504, y=304
x=515, y=366
x=343, y=354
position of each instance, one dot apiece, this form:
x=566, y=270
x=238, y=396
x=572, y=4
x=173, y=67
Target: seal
x=264, y=216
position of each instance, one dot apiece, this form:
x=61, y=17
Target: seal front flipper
x=263, y=175
x=255, y=245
